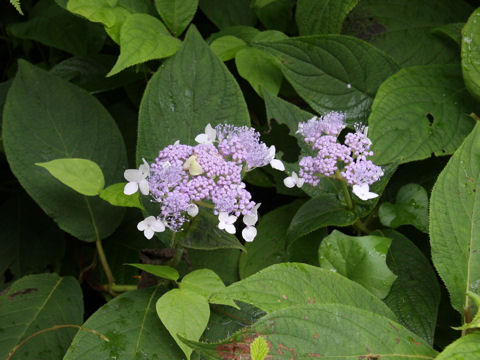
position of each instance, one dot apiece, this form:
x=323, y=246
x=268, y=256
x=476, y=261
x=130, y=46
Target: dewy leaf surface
x=465, y=348
x=455, y=222
x=419, y=111
x=403, y=28
x=325, y=331
x=471, y=54
x=46, y=118
x=291, y=284
x=322, y=16
x=130, y=323
x=415, y=294
x=333, y=72
x=142, y=38
x=190, y=90
x=37, y=302
x=359, y=258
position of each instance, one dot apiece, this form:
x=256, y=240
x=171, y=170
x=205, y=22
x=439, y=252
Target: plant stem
x=104, y=262
x=56, y=327
x=177, y=257
x=361, y=227
x=122, y=288
x=346, y=193
x=205, y=204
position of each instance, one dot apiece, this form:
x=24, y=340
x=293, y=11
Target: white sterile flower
x=208, y=137
x=362, y=191
x=249, y=233
x=192, y=210
x=274, y=163
x=251, y=219
x=150, y=225
x=137, y=179
x=176, y=142
x=293, y=180
x=226, y=222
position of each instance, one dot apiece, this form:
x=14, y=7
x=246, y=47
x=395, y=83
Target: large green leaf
x=192, y=89
x=322, y=16
x=111, y=14
x=228, y=13
x=184, y=313
x=30, y=241
x=292, y=284
x=143, y=38
x=53, y=26
x=277, y=15
x=360, y=258
x=410, y=208
x=415, y=294
x=454, y=225
x=46, y=118
x=465, y=348
x=130, y=323
x=471, y=54
x=403, y=28
x=419, y=111
x=114, y=195
x=451, y=31
x=330, y=331
x=38, y=302
x=333, y=72
x=176, y=14
x=321, y=211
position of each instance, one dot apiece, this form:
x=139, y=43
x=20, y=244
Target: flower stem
x=361, y=227
x=205, y=204
x=177, y=257
x=104, y=262
x=122, y=288
x=346, y=193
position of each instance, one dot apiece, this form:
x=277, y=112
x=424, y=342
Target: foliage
x=92, y=90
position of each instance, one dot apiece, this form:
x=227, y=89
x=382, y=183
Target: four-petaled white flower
x=363, y=192
x=274, y=163
x=226, y=222
x=293, y=180
x=192, y=210
x=137, y=179
x=150, y=225
x=249, y=232
x=208, y=137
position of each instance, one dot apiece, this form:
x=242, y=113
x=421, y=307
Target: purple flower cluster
x=334, y=158
x=182, y=176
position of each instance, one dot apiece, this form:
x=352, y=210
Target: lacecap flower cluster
x=183, y=176
x=334, y=159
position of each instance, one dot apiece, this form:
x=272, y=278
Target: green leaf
x=30, y=241
x=111, y=14
x=203, y=234
x=82, y=175
x=475, y=322
x=323, y=331
x=257, y=4
x=419, y=111
x=471, y=54
x=184, y=313
x=246, y=33
x=415, y=294
x=276, y=15
x=206, y=283
x=16, y=5
x=258, y=349
x=464, y=348
x=134, y=331
x=322, y=16
x=333, y=72
x=46, y=118
x=192, y=89
x=269, y=36
x=38, y=302
x=359, y=258
x=53, y=26
x=176, y=14
x=451, y=31
x=143, y=38
x=410, y=208
x=114, y=195
x=324, y=210
x=162, y=271
x=292, y=284
x=258, y=68
x=403, y=29
x=454, y=229
x=228, y=13
x=225, y=47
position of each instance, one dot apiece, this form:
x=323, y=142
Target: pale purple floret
x=330, y=124
x=362, y=171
